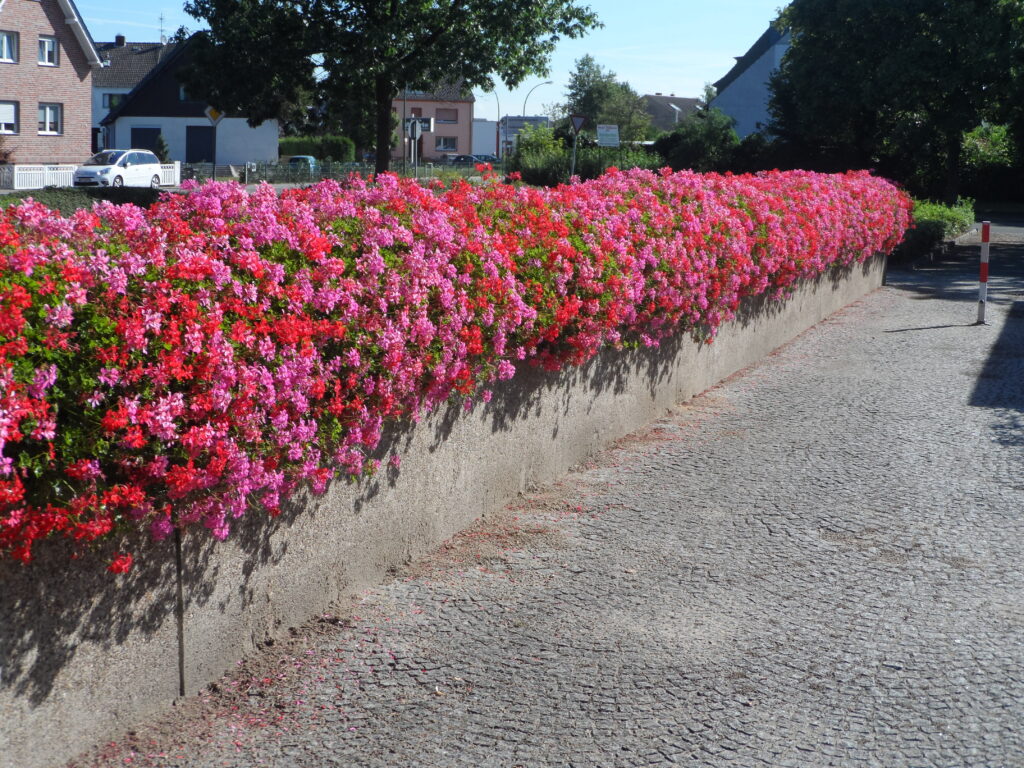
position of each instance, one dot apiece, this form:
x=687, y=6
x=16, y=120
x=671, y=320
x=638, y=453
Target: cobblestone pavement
x=817, y=563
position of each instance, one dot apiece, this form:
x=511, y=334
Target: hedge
x=67, y=200
x=340, y=149
x=193, y=363
x=935, y=223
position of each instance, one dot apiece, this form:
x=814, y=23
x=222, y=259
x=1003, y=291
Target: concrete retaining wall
x=85, y=656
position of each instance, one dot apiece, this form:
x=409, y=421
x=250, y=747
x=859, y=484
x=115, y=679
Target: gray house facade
x=743, y=92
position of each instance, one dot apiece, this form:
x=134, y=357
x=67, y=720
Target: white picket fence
x=39, y=176
x=170, y=174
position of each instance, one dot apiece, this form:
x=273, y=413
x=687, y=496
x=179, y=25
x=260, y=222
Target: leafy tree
x=1012, y=111
x=704, y=140
x=259, y=56
x=876, y=83
x=988, y=145
x=625, y=108
x=595, y=93
x=590, y=87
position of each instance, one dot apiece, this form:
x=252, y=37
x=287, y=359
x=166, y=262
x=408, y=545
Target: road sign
x=424, y=125
x=213, y=115
x=607, y=135
x=577, y=122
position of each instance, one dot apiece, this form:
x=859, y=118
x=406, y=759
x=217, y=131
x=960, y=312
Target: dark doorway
x=199, y=143
x=145, y=138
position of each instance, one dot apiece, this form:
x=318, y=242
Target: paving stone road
x=817, y=563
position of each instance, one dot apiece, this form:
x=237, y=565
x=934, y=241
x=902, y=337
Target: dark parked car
x=492, y=159
x=306, y=163
x=462, y=160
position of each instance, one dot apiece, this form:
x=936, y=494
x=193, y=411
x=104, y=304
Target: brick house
x=451, y=106
x=46, y=63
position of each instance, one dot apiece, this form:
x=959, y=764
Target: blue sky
x=666, y=46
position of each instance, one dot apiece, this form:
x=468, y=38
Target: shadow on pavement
x=1000, y=382
x=931, y=327
x=954, y=276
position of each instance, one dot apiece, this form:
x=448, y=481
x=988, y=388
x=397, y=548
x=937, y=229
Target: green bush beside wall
x=935, y=223
x=67, y=200
x=338, y=148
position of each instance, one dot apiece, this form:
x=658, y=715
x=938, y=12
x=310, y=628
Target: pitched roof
x=128, y=64
x=770, y=37
x=74, y=20
x=666, y=111
x=159, y=67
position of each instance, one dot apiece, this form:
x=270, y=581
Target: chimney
x=119, y=41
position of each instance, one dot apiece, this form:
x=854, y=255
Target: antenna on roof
x=163, y=37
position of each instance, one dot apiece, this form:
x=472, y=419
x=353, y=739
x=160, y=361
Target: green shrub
x=955, y=220
x=338, y=148
x=161, y=150
x=297, y=145
x=67, y=200
x=935, y=223
x=341, y=149
x=704, y=141
x=541, y=158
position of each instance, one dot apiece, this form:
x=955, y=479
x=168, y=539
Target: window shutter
x=7, y=112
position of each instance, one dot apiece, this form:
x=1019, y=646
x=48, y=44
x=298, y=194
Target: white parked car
x=119, y=168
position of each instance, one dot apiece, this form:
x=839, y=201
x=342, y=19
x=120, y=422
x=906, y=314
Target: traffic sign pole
x=577, y=123
x=986, y=227
x=572, y=165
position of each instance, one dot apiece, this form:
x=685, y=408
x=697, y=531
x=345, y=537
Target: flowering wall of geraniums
x=197, y=362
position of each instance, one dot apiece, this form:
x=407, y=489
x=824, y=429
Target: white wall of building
x=745, y=99
x=237, y=143
x=485, y=137
x=98, y=110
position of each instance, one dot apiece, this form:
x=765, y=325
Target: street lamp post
x=538, y=85
x=498, y=102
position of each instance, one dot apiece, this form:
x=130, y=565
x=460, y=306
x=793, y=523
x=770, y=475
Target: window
x=8, y=117
x=50, y=121
x=48, y=51
x=9, y=47
x=416, y=111
x=111, y=100
x=446, y=143
x=447, y=116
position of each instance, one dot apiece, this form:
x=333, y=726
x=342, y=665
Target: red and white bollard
x=983, y=277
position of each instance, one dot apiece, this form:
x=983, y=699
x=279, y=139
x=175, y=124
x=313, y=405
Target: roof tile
x=129, y=63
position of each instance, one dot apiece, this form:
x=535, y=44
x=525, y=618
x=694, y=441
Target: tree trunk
x=952, y=184
x=384, y=93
